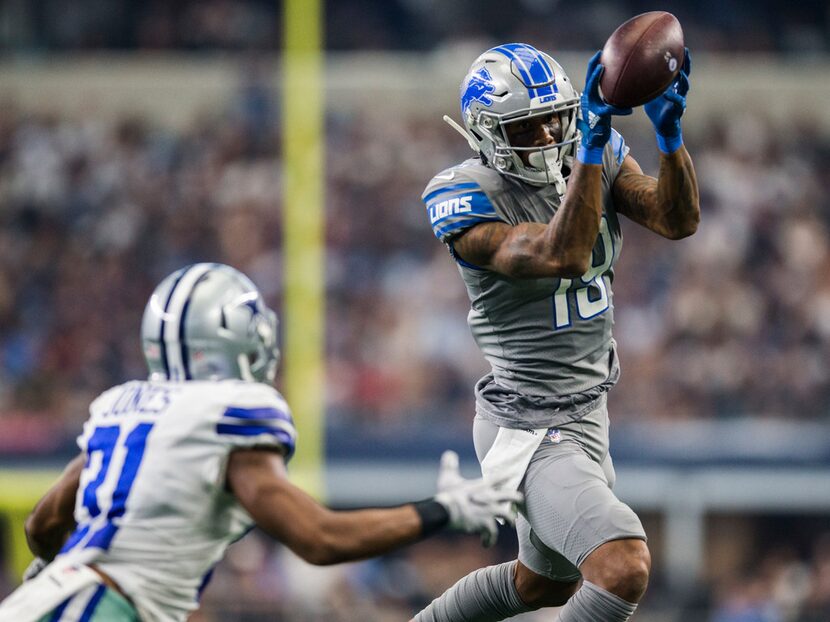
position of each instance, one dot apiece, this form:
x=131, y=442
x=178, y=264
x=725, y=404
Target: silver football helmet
x=512, y=82
x=208, y=321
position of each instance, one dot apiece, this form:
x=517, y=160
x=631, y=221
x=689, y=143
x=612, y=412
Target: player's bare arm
x=562, y=248
x=668, y=205
x=52, y=520
x=322, y=536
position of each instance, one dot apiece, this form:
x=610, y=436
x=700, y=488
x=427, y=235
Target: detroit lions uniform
x=546, y=338
x=552, y=356
x=152, y=509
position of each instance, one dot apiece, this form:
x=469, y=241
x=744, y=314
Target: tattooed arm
x=668, y=205
x=561, y=248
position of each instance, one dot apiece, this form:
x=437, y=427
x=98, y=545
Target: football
x=641, y=58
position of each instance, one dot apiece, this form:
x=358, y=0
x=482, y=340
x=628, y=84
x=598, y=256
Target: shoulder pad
x=459, y=198
x=255, y=415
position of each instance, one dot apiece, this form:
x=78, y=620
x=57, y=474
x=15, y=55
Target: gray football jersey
x=548, y=340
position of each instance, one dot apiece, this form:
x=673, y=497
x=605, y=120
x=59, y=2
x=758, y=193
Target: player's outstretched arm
x=670, y=204
x=562, y=248
x=52, y=520
x=323, y=536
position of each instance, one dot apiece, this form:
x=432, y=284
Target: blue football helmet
x=512, y=82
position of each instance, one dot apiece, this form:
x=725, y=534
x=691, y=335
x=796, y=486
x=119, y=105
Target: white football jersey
x=152, y=508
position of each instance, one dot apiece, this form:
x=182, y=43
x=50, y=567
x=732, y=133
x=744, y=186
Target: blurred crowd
x=734, y=321
x=93, y=215
x=210, y=25
x=761, y=569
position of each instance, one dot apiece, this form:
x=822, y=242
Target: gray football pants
x=570, y=508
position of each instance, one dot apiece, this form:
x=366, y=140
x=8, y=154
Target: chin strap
x=548, y=161
x=463, y=132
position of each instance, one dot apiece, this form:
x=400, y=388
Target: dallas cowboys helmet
x=208, y=321
x=512, y=82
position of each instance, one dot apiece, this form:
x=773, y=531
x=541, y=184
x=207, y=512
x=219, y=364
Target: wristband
x=434, y=516
x=589, y=155
x=669, y=144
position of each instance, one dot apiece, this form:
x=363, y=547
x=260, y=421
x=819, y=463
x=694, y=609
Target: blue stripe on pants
x=59, y=611
x=86, y=616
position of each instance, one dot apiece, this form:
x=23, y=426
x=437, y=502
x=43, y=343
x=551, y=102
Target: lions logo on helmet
x=208, y=322
x=512, y=82
x=475, y=88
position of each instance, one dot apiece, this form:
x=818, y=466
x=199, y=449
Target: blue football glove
x=665, y=110
x=594, y=120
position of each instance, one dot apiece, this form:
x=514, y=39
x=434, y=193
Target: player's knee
x=621, y=567
x=632, y=581
x=537, y=591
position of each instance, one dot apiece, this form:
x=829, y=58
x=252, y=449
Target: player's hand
x=594, y=120
x=34, y=568
x=473, y=504
x=666, y=109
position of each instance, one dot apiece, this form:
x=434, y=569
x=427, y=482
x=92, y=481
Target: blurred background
x=137, y=136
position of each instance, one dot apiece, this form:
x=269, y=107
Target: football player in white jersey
x=174, y=469
x=533, y=224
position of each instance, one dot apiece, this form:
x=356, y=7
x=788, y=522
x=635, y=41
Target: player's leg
x=496, y=593
x=539, y=578
x=544, y=578
x=572, y=510
x=613, y=567
x=96, y=603
x=620, y=567
x=485, y=595
x=615, y=577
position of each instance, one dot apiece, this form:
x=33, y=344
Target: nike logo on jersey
x=447, y=176
x=456, y=205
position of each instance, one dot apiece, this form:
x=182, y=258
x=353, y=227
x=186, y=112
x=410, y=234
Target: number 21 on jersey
x=581, y=289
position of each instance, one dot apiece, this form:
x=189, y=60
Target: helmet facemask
x=546, y=164
x=260, y=364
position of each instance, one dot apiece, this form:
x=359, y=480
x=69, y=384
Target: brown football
x=641, y=58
